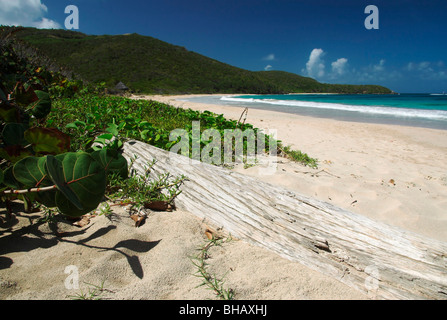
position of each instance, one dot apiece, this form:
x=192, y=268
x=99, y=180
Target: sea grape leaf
x=56, y=172
x=80, y=180
x=48, y=140
x=9, y=180
x=32, y=172
x=112, y=161
x=8, y=113
x=42, y=106
x=14, y=142
x=13, y=134
x=14, y=153
x=47, y=198
x=24, y=95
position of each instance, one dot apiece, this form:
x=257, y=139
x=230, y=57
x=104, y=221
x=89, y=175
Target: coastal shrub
x=298, y=156
x=36, y=161
x=86, y=117
x=50, y=125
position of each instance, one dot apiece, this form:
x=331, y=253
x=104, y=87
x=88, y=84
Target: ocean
x=419, y=110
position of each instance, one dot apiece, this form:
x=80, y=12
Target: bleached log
x=380, y=260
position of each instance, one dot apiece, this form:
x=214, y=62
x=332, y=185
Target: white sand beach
x=396, y=175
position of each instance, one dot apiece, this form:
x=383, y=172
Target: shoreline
x=356, y=165
x=323, y=113
x=390, y=173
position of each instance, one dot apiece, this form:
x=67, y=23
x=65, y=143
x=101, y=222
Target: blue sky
x=326, y=40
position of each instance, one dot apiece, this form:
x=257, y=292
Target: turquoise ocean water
x=421, y=110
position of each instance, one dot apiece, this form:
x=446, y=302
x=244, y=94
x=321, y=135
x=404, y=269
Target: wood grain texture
x=382, y=261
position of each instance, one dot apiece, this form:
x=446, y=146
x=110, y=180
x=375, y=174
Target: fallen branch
x=380, y=260
x=243, y=112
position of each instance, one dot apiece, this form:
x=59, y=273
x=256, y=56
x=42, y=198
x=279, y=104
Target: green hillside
x=148, y=65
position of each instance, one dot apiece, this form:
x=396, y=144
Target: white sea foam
x=378, y=110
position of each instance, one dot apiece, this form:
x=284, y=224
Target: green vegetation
x=142, y=191
x=94, y=292
x=212, y=282
x=291, y=83
x=37, y=162
x=51, y=126
x=85, y=118
x=299, y=156
x=148, y=65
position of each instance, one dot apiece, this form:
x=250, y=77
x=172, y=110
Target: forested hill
x=149, y=65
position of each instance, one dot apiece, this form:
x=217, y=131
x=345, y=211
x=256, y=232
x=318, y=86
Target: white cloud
x=315, y=65
x=410, y=66
x=427, y=70
x=268, y=67
x=377, y=73
x=339, y=66
x=269, y=57
x=423, y=66
x=379, y=67
x=47, y=24
x=27, y=13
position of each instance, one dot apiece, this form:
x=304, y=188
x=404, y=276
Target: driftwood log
x=380, y=260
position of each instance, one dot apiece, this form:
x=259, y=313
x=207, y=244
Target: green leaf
x=119, y=144
x=13, y=134
x=57, y=174
x=112, y=161
x=25, y=95
x=81, y=182
x=113, y=129
x=14, y=153
x=76, y=125
x=42, y=107
x=31, y=172
x=10, y=181
x=2, y=176
x=105, y=136
x=145, y=124
x=103, y=139
x=8, y=113
x=48, y=140
x=71, y=126
x=145, y=135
